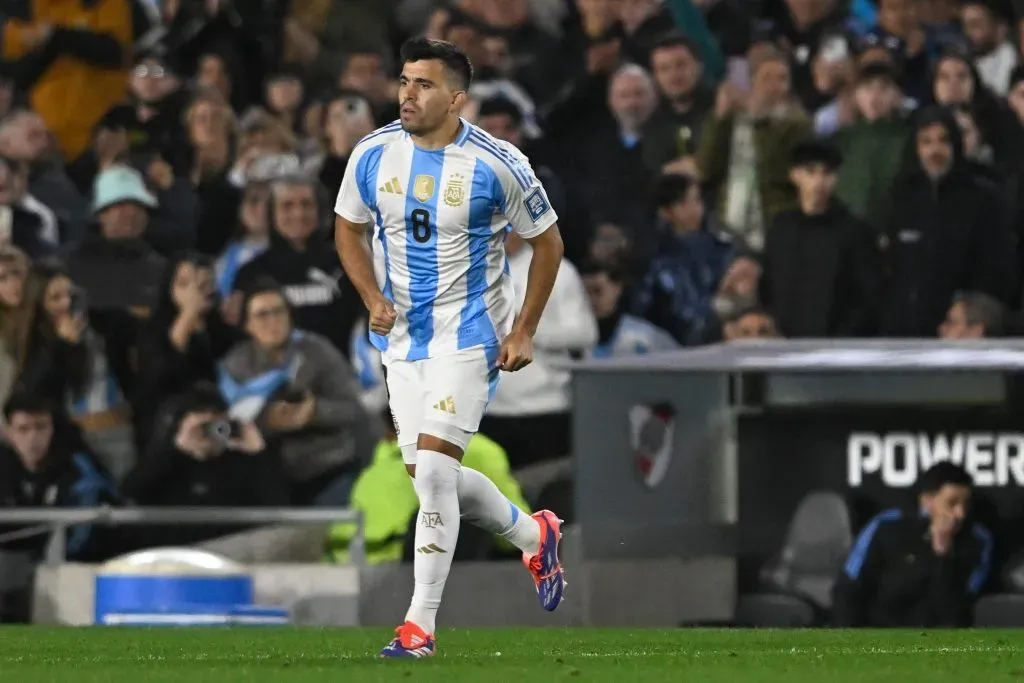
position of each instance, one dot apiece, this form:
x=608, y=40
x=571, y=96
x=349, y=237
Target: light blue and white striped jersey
x=439, y=246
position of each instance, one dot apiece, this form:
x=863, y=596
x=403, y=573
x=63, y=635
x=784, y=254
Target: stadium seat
x=819, y=536
x=1002, y=610
x=796, y=586
x=766, y=610
x=1013, y=574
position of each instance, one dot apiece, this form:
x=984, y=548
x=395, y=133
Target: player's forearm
x=547, y=258
x=356, y=260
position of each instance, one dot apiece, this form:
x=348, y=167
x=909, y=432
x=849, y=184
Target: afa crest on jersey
x=455, y=192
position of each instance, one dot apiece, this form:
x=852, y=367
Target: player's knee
x=444, y=438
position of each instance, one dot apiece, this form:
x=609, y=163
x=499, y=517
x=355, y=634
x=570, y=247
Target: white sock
x=437, y=531
x=482, y=504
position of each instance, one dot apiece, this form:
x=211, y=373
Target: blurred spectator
x=750, y=323
x=957, y=83
x=322, y=299
x=987, y=32
x=365, y=72
x=610, y=161
x=948, y=231
x=196, y=457
x=873, y=147
x=919, y=44
x=673, y=130
x=283, y=96
x=73, y=366
x=366, y=362
x=835, y=79
x=529, y=413
x=71, y=60
x=16, y=311
x=745, y=148
x=33, y=232
x=251, y=238
x=973, y=316
x=618, y=332
x=687, y=264
x=303, y=395
x=347, y=120
x=501, y=118
x=821, y=271
x=737, y=292
x=731, y=22
x=920, y=567
x=182, y=341
x=211, y=130
x=114, y=263
x=42, y=466
x=803, y=27
x=24, y=138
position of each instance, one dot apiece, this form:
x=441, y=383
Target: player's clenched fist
x=516, y=352
x=382, y=316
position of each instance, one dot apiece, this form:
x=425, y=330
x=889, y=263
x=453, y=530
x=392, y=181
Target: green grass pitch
x=258, y=655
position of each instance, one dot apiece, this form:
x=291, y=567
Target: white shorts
x=445, y=396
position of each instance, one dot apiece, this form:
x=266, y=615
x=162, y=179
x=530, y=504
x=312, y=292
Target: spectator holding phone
x=183, y=340
x=304, y=396
x=72, y=365
x=198, y=456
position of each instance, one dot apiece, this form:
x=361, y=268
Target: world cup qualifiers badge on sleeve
x=537, y=204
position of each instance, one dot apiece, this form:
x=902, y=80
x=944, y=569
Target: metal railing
x=56, y=521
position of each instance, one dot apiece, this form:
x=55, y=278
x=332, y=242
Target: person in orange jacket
x=71, y=57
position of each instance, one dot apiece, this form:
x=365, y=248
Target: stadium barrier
x=56, y=521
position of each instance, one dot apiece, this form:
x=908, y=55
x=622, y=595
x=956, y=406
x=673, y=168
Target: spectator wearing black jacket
x=196, y=458
x=44, y=464
x=948, y=231
x=821, y=269
x=183, y=340
x=299, y=258
x=920, y=567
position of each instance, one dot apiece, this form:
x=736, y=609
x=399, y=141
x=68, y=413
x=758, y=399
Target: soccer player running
x=439, y=195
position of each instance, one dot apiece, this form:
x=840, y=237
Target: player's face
x=425, y=98
x=951, y=499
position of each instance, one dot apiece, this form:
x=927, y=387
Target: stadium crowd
x=721, y=169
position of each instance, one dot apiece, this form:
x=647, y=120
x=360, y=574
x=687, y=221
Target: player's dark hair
x=23, y=401
x=495, y=106
x=670, y=188
x=455, y=61
x=943, y=474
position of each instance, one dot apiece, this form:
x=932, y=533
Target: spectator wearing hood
x=303, y=395
x=956, y=82
x=821, y=268
x=299, y=258
x=948, y=231
x=115, y=263
x=183, y=340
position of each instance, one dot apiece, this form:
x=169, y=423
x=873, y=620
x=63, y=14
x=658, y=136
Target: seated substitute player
x=439, y=195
